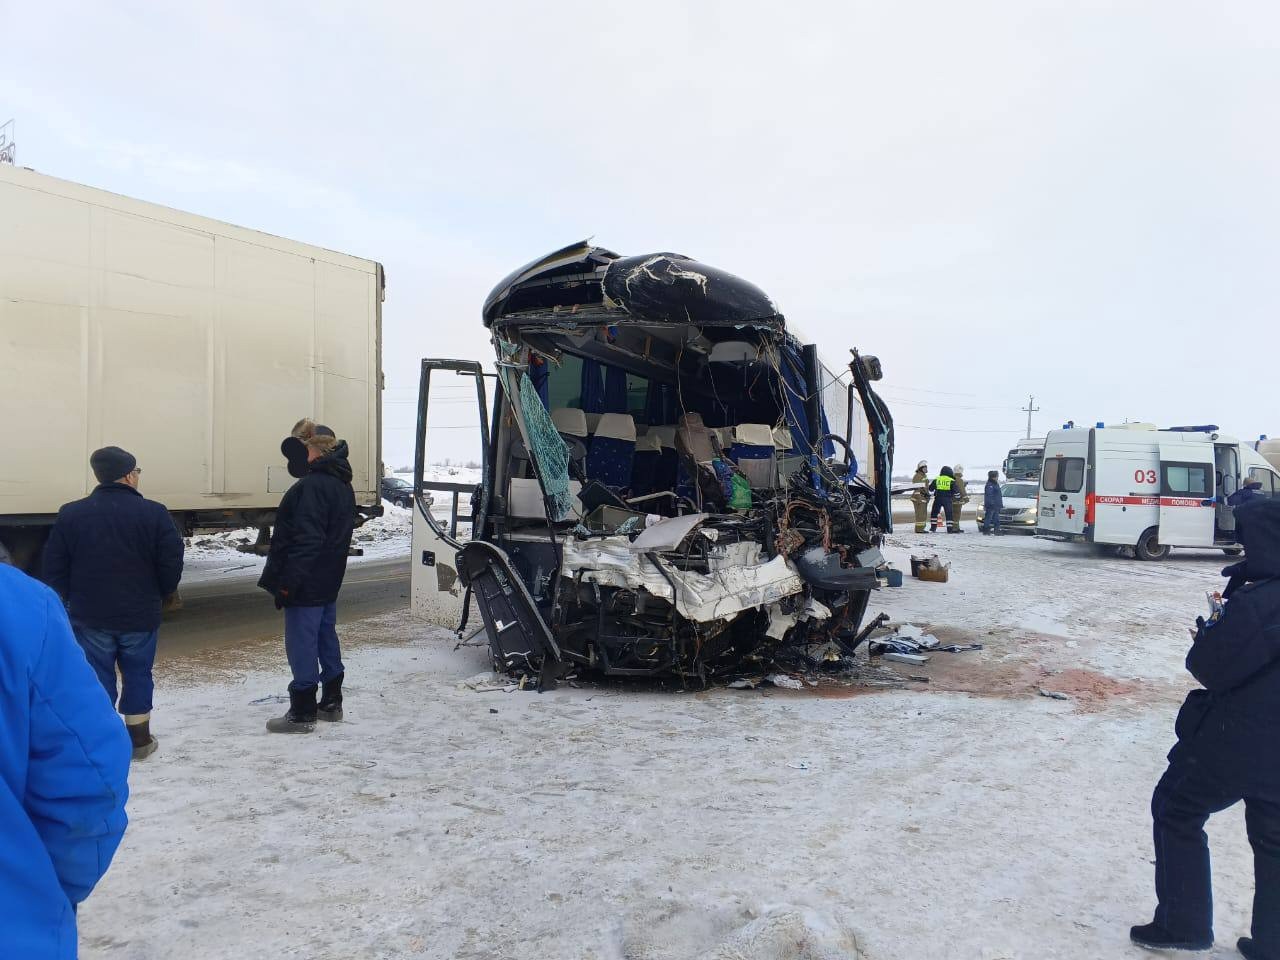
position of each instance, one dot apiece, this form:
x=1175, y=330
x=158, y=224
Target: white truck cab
x=1138, y=486
x=1024, y=460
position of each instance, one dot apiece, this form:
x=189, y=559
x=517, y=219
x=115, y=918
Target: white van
x=1137, y=486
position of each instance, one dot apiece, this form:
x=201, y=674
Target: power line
x=912, y=426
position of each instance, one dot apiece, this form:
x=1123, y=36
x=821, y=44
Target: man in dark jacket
x=304, y=572
x=1250, y=490
x=1226, y=752
x=64, y=767
x=992, y=503
x=943, y=489
x=115, y=556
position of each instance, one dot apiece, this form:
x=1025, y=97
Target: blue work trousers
x=991, y=520
x=311, y=644
x=133, y=652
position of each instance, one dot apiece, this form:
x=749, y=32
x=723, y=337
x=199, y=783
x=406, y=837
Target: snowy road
x=233, y=611
x=968, y=817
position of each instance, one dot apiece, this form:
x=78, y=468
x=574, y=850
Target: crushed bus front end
x=663, y=493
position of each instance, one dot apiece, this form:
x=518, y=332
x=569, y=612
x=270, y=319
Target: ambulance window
x=1270, y=488
x=1187, y=479
x=1063, y=474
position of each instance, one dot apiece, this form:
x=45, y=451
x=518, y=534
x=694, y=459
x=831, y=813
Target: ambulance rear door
x=1062, y=483
x=1187, y=494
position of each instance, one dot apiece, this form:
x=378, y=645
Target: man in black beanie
x=114, y=556
x=1226, y=752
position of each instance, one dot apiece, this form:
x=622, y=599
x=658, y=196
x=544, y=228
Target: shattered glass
x=549, y=452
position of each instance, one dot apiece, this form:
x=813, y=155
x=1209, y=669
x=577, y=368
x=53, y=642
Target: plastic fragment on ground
x=784, y=681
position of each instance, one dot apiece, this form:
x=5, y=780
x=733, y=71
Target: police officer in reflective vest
x=920, y=495
x=943, y=488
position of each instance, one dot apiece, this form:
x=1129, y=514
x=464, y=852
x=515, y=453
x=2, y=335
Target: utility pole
x=1029, y=409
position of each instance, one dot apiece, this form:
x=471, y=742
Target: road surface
x=232, y=612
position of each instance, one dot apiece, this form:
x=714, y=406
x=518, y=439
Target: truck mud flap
x=519, y=638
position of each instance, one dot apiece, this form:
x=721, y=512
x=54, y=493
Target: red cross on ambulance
x=1071, y=512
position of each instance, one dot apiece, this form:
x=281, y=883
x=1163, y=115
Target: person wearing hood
x=920, y=495
x=304, y=571
x=64, y=775
x=1226, y=752
x=943, y=489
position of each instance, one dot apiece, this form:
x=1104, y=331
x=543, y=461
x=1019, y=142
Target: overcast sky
x=1077, y=200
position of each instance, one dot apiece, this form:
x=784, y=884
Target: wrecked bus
x=661, y=493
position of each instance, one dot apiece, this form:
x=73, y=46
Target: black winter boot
x=301, y=717
x=139, y=727
x=1152, y=936
x=331, y=700
x=1250, y=951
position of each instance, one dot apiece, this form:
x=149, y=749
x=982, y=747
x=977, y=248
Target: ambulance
x=1150, y=489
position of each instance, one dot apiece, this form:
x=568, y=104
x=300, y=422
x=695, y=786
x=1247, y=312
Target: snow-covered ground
x=966, y=817
x=210, y=556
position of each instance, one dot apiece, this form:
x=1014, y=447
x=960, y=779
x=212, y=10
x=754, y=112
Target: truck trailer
x=193, y=344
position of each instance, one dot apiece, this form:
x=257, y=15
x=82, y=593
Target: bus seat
x=612, y=450
x=570, y=421
x=753, y=450
x=644, y=468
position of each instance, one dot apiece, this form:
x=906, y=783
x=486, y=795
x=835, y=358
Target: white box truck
x=1137, y=486
x=194, y=344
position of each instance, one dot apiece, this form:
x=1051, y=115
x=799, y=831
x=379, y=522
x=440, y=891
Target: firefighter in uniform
x=920, y=495
x=959, y=497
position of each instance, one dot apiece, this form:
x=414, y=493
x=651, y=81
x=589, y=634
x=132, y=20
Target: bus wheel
x=1149, y=546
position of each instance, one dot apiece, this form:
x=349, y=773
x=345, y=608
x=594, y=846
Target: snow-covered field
x=966, y=817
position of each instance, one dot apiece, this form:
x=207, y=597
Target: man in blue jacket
x=64, y=763
x=115, y=556
x=992, y=503
x=1226, y=752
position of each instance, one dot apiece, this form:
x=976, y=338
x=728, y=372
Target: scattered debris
x=959, y=647
x=906, y=639
x=906, y=657
x=784, y=681
x=1053, y=694
x=487, y=683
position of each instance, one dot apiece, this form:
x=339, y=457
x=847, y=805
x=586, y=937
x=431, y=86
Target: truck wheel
x=1149, y=546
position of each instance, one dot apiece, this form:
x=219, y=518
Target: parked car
x=1019, y=511
x=398, y=491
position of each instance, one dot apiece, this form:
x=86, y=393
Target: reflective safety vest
x=943, y=484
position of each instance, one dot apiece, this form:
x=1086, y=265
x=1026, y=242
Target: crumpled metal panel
x=669, y=287
x=651, y=288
